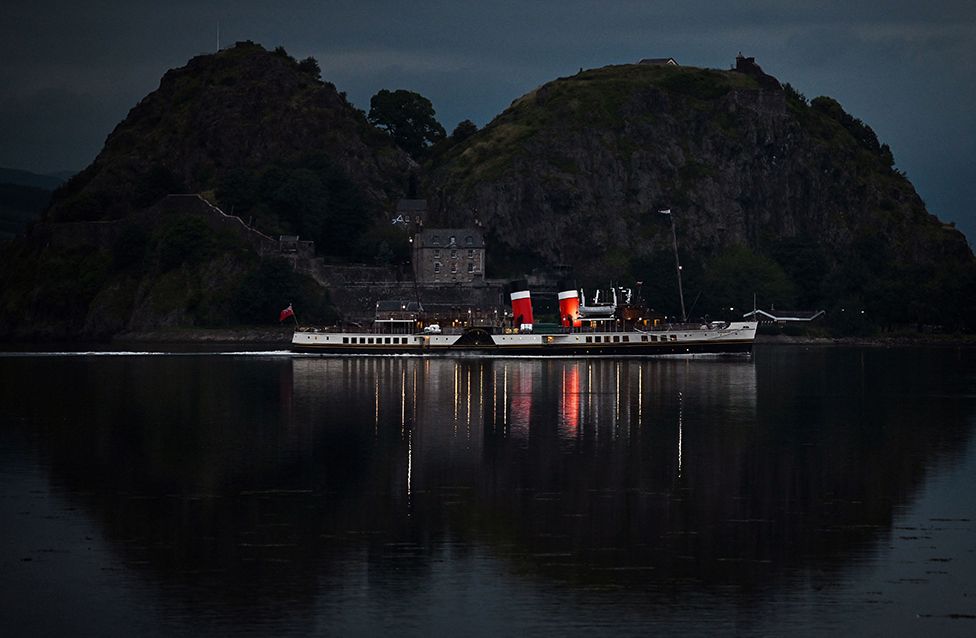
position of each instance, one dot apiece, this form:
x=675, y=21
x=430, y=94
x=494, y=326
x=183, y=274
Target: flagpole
x=677, y=264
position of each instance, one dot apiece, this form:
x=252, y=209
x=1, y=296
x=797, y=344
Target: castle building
x=659, y=62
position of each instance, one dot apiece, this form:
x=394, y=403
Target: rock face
x=574, y=172
x=241, y=109
x=793, y=201
x=259, y=134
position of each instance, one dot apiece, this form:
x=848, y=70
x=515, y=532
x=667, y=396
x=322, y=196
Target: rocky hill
x=794, y=200
x=259, y=134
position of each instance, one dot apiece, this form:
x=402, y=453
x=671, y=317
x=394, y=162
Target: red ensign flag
x=287, y=312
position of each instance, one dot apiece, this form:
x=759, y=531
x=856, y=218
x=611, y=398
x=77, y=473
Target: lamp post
x=677, y=264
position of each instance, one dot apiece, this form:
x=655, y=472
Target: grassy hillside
x=794, y=200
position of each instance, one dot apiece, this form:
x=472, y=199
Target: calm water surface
x=802, y=491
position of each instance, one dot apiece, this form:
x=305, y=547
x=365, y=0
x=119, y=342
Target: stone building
x=449, y=255
x=411, y=211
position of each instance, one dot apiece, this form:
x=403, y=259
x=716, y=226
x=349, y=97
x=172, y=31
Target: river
x=802, y=491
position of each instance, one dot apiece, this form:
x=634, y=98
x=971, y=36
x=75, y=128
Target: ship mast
x=677, y=264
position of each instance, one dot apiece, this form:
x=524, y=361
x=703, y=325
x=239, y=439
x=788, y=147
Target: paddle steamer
x=598, y=330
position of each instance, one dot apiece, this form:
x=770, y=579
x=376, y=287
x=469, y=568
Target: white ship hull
x=735, y=338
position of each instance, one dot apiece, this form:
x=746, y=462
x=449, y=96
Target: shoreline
x=879, y=341
x=280, y=338
x=208, y=336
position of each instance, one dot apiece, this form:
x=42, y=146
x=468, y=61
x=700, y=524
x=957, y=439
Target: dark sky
x=70, y=73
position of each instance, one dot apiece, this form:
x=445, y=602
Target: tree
x=408, y=117
x=737, y=273
x=464, y=130
x=311, y=66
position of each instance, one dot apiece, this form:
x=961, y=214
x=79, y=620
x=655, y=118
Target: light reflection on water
x=272, y=494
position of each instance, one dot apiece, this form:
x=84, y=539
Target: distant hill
x=63, y=175
x=20, y=205
x=23, y=197
x=26, y=178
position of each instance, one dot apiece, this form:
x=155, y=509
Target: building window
x=454, y=254
x=470, y=253
x=470, y=266
x=437, y=266
x=437, y=253
x=468, y=240
x=454, y=268
x=436, y=240
x=453, y=240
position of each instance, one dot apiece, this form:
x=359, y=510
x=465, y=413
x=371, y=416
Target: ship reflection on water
x=378, y=494
x=580, y=460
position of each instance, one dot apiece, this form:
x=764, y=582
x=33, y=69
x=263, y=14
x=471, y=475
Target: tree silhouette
x=408, y=117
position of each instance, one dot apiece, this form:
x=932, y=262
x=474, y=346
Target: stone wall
x=357, y=301
x=104, y=233
x=354, y=288
x=217, y=219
